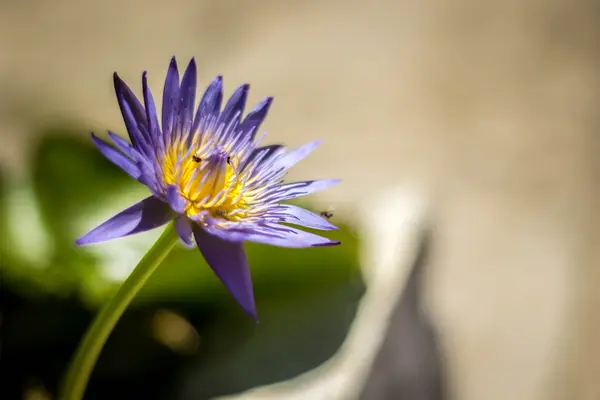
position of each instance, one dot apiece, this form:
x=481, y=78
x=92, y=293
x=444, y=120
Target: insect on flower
x=206, y=170
x=327, y=214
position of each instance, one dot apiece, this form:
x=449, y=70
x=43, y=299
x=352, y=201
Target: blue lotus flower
x=207, y=171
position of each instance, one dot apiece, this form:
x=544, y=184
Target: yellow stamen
x=210, y=183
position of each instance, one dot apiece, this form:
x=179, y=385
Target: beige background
x=491, y=108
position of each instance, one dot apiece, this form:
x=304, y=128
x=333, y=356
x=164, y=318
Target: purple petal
x=272, y=234
x=292, y=190
x=176, y=200
x=293, y=157
x=254, y=119
x=170, y=100
x=124, y=146
x=117, y=158
x=210, y=105
x=151, y=115
x=296, y=189
x=148, y=214
x=133, y=113
x=228, y=261
x=183, y=226
x=147, y=168
x=235, y=106
x=263, y=154
x=187, y=94
x=299, y=216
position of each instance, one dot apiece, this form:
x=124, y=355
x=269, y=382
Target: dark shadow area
x=296, y=334
x=409, y=365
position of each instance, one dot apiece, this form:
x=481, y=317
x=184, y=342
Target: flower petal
x=124, y=146
x=254, y=119
x=175, y=199
x=210, y=105
x=170, y=100
x=117, y=158
x=151, y=115
x=148, y=214
x=293, y=157
x=296, y=189
x=147, y=168
x=299, y=216
x=261, y=155
x=121, y=144
x=183, y=226
x=187, y=94
x=272, y=234
x=133, y=113
x=235, y=106
x=228, y=261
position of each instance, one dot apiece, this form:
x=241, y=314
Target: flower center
x=208, y=180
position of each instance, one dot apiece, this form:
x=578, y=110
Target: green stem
x=90, y=347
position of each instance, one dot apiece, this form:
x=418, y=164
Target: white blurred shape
x=390, y=238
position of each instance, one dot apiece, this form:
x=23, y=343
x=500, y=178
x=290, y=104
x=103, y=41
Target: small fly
x=327, y=214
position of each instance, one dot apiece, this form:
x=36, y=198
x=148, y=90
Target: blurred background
x=467, y=136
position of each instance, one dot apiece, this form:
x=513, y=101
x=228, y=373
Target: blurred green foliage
x=306, y=297
x=71, y=183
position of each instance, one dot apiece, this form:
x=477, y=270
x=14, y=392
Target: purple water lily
x=206, y=171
